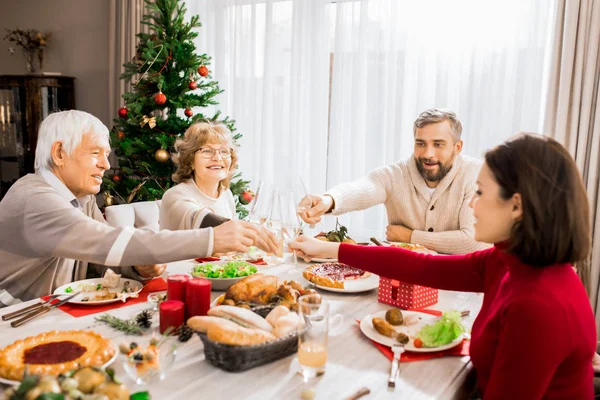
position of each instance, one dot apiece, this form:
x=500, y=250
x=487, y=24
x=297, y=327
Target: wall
x=78, y=47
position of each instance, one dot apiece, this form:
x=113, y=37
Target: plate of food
x=263, y=291
x=110, y=289
x=417, y=248
x=342, y=278
x=53, y=353
x=418, y=331
x=223, y=274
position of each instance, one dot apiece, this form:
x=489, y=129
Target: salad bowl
x=223, y=274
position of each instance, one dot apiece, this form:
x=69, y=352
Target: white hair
x=67, y=127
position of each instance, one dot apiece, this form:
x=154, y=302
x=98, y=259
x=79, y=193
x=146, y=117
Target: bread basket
x=241, y=358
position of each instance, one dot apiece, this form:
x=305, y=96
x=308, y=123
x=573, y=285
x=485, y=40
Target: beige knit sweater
x=441, y=221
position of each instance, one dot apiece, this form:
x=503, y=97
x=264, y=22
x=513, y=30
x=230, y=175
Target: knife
x=41, y=311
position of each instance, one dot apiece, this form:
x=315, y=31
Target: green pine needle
x=122, y=325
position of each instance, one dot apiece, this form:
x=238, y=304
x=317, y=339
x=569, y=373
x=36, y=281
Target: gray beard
x=431, y=176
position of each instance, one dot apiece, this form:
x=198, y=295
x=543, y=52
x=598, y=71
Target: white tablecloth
x=353, y=361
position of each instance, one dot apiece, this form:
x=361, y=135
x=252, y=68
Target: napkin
x=258, y=261
x=461, y=349
x=80, y=310
x=207, y=259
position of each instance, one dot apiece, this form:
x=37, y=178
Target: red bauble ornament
x=188, y=113
x=116, y=178
x=121, y=135
x=193, y=85
x=123, y=112
x=203, y=71
x=160, y=98
x=247, y=196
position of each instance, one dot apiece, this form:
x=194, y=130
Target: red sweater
x=535, y=335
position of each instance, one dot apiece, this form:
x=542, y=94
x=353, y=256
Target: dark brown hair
x=555, y=224
x=196, y=136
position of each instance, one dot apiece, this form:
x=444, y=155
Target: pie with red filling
x=54, y=352
x=333, y=274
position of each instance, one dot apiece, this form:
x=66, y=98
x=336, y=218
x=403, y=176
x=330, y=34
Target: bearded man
x=426, y=196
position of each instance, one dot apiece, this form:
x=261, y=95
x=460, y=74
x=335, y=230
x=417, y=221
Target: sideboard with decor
x=25, y=100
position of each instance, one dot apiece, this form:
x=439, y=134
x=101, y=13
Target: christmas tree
x=167, y=76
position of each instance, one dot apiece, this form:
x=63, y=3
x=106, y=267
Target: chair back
x=142, y=215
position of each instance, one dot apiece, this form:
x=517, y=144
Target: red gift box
x=405, y=295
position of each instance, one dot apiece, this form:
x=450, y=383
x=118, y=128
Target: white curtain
x=330, y=90
x=272, y=60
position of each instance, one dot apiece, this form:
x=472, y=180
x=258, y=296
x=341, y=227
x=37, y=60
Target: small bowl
x=145, y=372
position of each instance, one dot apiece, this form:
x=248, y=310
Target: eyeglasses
x=208, y=152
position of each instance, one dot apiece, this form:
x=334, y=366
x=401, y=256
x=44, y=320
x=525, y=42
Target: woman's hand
x=309, y=248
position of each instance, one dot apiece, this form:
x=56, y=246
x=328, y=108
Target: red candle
x=197, y=297
x=172, y=314
x=176, y=287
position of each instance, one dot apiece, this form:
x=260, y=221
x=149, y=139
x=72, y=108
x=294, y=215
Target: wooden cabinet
x=25, y=100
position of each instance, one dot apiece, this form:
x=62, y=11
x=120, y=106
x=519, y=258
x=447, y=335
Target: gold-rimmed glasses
x=209, y=152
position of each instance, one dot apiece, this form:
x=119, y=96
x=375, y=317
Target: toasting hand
x=309, y=248
x=319, y=206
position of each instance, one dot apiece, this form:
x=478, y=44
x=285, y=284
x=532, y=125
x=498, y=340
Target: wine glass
x=291, y=222
x=260, y=208
x=303, y=203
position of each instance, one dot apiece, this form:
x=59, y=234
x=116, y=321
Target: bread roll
x=277, y=313
x=286, y=325
x=238, y=335
x=241, y=316
x=202, y=324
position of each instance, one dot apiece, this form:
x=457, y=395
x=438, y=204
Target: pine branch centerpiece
x=171, y=84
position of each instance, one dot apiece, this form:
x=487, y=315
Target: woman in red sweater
x=535, y=335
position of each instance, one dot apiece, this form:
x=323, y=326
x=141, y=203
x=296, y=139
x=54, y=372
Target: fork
x=397, y=349
x=32, y=307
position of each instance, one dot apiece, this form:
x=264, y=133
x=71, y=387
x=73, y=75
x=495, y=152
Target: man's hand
x=151, y=270
x=398, y=233
x=309, y=248
x=319, y=206
x=234, y=236
x=267, y=241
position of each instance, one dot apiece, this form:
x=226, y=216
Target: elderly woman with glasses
x=205, y=162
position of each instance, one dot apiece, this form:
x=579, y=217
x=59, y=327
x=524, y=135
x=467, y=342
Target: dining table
x=353, y=361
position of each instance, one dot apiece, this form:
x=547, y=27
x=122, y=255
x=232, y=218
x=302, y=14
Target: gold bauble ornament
x=161, y=155
x=108, y=199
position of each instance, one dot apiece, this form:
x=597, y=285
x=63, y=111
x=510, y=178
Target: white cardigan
x=441, y=220
x=181, y=204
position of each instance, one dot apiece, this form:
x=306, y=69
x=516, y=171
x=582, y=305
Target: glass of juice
x=313, y=331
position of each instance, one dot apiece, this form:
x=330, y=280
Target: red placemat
x=459, y=350
x=77, y=310
x=259, y=261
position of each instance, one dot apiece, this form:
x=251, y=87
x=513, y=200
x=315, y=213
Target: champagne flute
x=260, y=208
x=291, y=222
x=304, y=203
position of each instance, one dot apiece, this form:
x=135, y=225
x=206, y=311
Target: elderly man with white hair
x=52, y=228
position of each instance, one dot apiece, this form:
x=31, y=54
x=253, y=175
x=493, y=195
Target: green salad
x=443, y=331
x=232, y=269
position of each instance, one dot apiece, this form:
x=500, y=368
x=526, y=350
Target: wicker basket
x=241, y=358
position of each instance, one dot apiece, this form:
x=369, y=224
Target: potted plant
x=32, y=43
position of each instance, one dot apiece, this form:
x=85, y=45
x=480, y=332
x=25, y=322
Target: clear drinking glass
x=291, y=223
x=313, y=331
x=303, y=203
x=146, y=371
x=275, y=222
x=260, y=208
